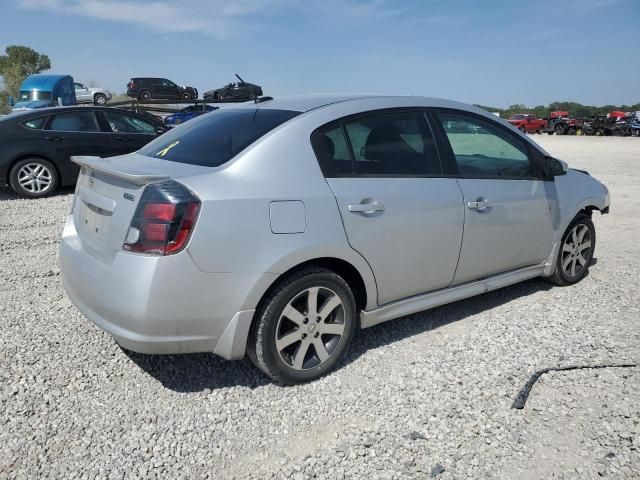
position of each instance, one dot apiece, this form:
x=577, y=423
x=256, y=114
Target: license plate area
x=93, y=225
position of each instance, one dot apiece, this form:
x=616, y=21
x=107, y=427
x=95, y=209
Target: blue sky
x=492, y=52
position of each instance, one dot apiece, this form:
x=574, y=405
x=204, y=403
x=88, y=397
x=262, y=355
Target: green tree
x=18, y=63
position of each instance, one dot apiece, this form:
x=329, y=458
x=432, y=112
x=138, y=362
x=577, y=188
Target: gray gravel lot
x=425, y=396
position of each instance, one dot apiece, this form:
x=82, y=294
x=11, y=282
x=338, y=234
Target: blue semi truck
x=38, y=91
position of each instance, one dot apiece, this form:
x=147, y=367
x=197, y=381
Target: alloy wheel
x=310, y=328
x=576, y=250
x=35, y=178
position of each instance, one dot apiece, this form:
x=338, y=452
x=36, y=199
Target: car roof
x=306, y=103
x=38, y=112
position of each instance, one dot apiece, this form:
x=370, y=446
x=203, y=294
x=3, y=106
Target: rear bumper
x=159, y=304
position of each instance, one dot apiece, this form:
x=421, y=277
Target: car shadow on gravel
x=199, y=372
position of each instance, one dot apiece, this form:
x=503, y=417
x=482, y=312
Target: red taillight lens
x=164, y=219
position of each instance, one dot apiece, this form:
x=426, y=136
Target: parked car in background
x=152, y=88
x=97, y=96
x=276, y=229
x=40, y=91
x=528, y=123
x=35, y=146
x=187, y=113
x=238, y=91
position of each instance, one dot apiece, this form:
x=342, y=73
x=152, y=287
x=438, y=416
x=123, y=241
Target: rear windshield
x=213, y=139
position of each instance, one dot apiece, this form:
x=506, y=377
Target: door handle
x=479, y=205
x=123, y=139
x=54, y=139
x=366, y=208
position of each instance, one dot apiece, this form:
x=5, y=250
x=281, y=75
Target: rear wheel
x=571, y=131
x=576, y=251
x=145, y=95
x=559, y=130
x=99, y=99
x=304, y=326
x=33, y=178
x=599, y=132
x=523, y=129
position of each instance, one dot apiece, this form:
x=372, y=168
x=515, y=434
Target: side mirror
x=554, y=167
x=11, y=102
x=160, y=130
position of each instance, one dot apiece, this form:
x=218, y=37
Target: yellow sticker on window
x=165, y=150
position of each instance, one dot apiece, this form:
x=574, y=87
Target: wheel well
x=589, y=210
x=341, y=267
x=42, y=157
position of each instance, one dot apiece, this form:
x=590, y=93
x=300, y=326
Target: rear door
x=399, y=211
x=508, y=205
x=75, y=133
x=127, y=132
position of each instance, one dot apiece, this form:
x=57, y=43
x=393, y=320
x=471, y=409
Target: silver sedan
x=279, y=228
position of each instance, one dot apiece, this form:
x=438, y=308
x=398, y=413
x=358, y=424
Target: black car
x=237, y=91
x=146, y=88
x=35, y=146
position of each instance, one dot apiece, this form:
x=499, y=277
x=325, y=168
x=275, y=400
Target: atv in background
x=561, y=123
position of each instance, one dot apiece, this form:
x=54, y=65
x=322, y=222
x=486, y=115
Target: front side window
x=484, y=150
x=168, y=83
x=385, y=144
x=78, y=86
x=35, y=123
x=74, y=122
x=211, y=140
x=122, y=123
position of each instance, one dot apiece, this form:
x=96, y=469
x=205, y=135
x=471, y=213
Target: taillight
x=164, y=219
x=132, y=85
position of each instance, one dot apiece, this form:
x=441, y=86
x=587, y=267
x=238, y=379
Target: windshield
x=28, y=95
x=516, y=117
x=213, y=139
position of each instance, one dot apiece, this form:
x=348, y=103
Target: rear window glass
x=211, y=140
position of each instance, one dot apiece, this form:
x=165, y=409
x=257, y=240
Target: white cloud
x=210, y=17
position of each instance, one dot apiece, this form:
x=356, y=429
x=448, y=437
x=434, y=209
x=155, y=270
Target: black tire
x=599, y=132
x=186, y=96
x=32, y=188
x=145, y=95
x=550, y=132
x=539, y=131
x=561, y=276
x=523, y=130
x=559, y=130
x=261, y=346
x=99, y=99
x=571, y=131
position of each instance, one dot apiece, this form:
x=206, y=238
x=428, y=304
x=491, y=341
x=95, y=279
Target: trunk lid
x=107, y=195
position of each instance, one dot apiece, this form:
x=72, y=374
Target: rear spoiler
x=119, y=170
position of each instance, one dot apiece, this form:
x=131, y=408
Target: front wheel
x=559, y=130
x=576, y=251
x=186, y=96
x=33, y=178
x=304, y=326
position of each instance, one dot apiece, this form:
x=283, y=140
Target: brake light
x=132, y=84
x=164, y=219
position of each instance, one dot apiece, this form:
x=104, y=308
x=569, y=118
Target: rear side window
x=385, y=144
x=35, y=123
x=211, y=140
x=74, y=122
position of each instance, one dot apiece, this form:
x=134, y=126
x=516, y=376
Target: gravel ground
x=425, y=396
